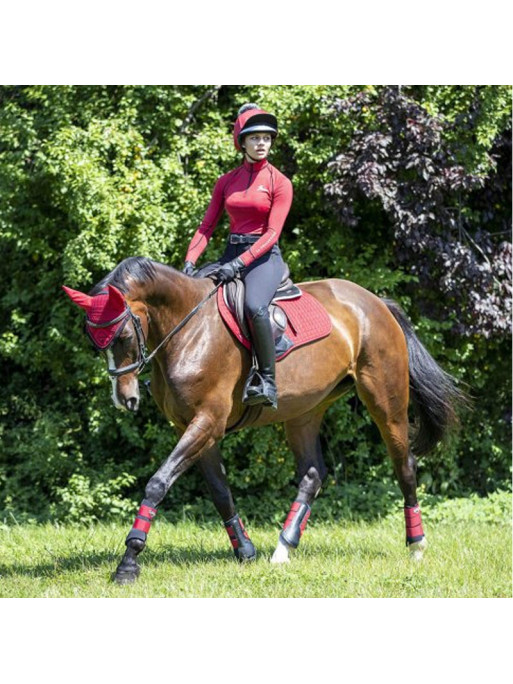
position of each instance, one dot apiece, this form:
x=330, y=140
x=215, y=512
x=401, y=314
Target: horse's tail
x=433, y=392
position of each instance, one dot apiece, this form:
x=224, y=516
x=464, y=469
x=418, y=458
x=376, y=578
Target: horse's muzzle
x=131, y=404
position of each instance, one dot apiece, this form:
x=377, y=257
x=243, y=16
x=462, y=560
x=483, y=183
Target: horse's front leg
x=212, y=468
x=198, y=436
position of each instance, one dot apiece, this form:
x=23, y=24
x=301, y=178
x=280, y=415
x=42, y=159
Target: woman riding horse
x=257, y=198
x=372, y=349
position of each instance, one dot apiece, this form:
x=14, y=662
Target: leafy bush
x=403, y=160
x=84, y=502
x=494, y=509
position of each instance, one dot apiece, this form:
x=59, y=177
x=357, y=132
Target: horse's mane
x=140, y=269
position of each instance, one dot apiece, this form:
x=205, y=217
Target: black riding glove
x=230, y=270
x=188, y=269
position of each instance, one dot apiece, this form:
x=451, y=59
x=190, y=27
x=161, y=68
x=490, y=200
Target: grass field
x=466, y=558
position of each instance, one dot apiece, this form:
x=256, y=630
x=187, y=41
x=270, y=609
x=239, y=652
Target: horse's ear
x=82, y=300
x=116, y=298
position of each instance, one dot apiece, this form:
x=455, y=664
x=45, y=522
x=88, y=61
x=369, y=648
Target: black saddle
x=233, y=293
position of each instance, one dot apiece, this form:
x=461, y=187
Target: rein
x=144, y=359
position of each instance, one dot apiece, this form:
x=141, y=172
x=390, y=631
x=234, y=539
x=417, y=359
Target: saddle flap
x=233, y=294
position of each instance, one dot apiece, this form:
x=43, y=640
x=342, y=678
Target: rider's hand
x=230, y=270
x=188, y=269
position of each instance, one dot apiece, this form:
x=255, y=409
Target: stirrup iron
x=260, y=389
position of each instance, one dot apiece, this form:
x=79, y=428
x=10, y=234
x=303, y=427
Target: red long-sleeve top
x=257, y=198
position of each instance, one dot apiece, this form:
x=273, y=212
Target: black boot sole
x=254, y=400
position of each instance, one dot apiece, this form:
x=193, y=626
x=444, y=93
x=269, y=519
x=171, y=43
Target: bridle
x=143, y=358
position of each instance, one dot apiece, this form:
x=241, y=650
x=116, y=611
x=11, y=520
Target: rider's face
x=257, y=145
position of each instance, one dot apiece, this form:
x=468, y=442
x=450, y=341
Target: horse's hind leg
x=303, y=437
x=385, y=393
x=212, y=469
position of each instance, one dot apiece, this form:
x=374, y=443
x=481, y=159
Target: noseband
x=143, y=359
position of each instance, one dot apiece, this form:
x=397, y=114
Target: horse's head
x=119, y=331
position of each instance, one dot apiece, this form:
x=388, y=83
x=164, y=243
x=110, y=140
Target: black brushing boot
x=261, y=385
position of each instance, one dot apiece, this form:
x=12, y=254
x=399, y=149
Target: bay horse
x=199, y=371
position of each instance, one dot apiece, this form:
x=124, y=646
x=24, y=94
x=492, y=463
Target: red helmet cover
x=242, y=120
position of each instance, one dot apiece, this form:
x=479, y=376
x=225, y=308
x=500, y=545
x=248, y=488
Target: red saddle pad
x=307, y=321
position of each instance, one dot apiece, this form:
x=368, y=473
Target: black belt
x=236, y=239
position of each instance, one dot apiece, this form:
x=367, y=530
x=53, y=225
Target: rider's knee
x=256, y=310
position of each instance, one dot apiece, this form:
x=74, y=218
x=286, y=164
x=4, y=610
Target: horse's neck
x=169, y=298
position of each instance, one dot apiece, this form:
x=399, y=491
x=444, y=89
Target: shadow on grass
x=176, y=558
x=88, y=561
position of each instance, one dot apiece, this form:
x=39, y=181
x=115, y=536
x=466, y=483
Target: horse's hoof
x=281, y=554
x=417, y=549
x=126, y=576
x=277, y=560
x=247, y=554
x=247, y=559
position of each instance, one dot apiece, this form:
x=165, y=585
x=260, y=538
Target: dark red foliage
x=452, y=229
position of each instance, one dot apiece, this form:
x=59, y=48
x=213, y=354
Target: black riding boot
x=261, y=386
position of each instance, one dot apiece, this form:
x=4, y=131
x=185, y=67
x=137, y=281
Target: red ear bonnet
x=83, y=300
x=101, y=309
